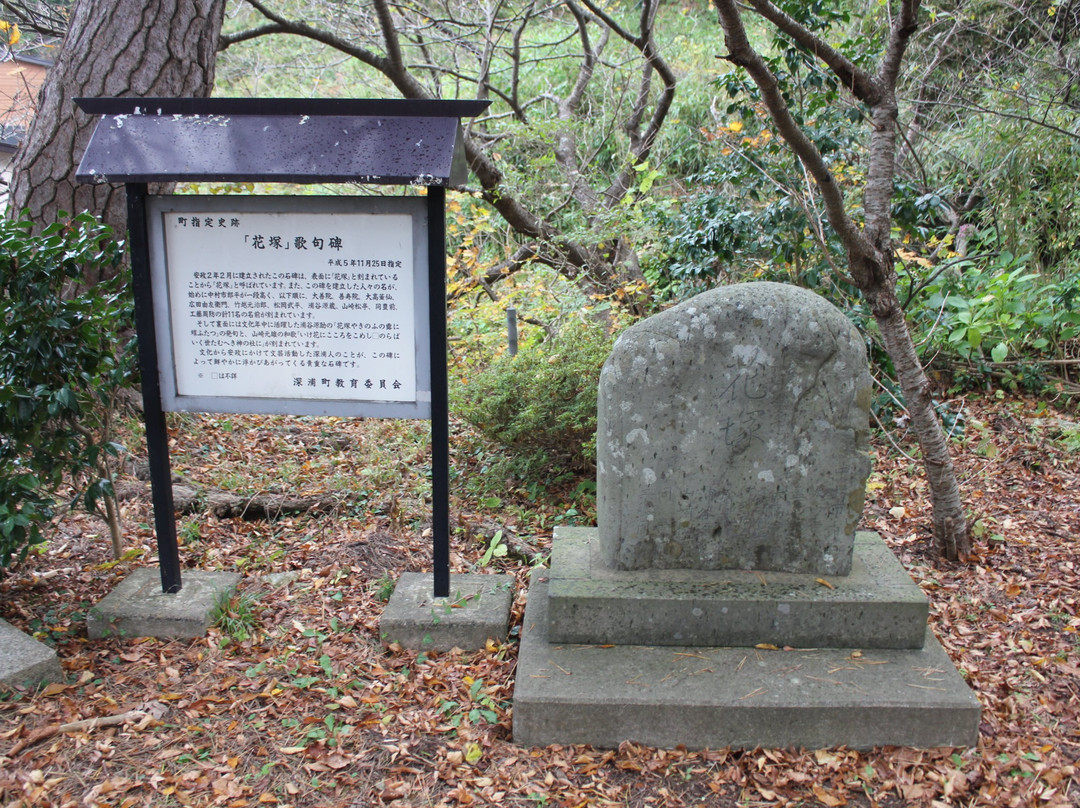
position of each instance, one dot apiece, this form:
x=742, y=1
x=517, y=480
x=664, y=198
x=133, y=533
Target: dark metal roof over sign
x=386, y=142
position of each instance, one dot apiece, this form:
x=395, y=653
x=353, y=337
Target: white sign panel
x=321, y=302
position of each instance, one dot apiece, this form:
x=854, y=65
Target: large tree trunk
x=113, y=48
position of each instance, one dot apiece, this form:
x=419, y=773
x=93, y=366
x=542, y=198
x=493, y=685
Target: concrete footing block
x=138, y=607
x=478, y=609
x=25, y=662
x=715, y=697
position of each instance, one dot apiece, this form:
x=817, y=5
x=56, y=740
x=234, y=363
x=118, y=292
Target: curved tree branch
x=523, y=256
x=225, y=40
x=857, y=80
x=742, y=54
x=390, y=36
x=568, y=106
x=641, y=142
x=903, y=27
x=286, y=26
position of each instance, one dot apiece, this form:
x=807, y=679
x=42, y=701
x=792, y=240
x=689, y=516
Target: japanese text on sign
x=292, y=305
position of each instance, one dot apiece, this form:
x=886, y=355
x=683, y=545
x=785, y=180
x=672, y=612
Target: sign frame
x=138, y=141
x=345, y=207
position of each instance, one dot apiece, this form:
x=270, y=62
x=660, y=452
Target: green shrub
x=999, y=308
x=62, y=361
x=542, y=403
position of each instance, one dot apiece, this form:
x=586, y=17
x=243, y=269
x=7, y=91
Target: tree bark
x=118, y=48
x=952, y=534
x=868, y=246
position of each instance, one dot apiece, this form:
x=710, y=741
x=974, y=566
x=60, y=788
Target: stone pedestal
x=713, y=697
x=876, y=606
x=725, y=598
x=25, y=662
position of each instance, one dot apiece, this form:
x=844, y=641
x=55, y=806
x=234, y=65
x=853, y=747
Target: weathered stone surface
x=24, y=661
x=701, y=697
x=876, y=606
x=733, y=435
x=138, y=608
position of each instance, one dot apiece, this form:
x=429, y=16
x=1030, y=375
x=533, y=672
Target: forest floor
x=292, y=700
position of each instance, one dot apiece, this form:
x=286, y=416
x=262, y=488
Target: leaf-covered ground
x=293, y=701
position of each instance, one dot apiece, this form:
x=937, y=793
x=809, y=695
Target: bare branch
x=944, y=41
x=979, y=108
x=612, y=24
x=641, y=143
x=226, y=40
x=390, y=36
x=44, y=18
x=566, y=142
x=525, y=255
x=443, y=41
x=486, y=86
x=490, y=39
x=588, y=62
x=296, y=28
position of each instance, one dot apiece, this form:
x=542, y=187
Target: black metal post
x=440, y=404
x=157, y=437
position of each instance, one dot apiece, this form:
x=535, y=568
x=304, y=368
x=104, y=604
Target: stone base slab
x=25, y=662
x=707, y=697
x=876, y=606
x=138, y=607
x=477, y=610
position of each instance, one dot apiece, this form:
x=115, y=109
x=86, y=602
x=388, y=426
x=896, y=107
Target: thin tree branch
x=641, y=143
x=146, y=712
x=42, y=18
x=565, y=141
x=524, y=255
x=227, y=40
x=296, y=28
x=390, y=36
x=972, y=107
x=577, y=261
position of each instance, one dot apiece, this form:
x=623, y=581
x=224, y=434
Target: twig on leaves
x=144, y=713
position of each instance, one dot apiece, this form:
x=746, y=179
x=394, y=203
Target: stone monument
x=733, y=435
x=731, y=469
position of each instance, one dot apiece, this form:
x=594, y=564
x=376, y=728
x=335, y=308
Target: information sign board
x=301, y=305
